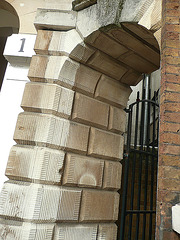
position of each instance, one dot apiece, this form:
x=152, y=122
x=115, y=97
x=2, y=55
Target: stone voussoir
x=113, y=92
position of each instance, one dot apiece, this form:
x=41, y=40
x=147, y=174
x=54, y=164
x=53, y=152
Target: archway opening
x=9, y=24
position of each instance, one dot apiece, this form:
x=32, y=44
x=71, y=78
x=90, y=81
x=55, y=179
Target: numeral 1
x=22, y=45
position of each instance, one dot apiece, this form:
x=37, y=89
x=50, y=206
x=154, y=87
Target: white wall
x=12, y=91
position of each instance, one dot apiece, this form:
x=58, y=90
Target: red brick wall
x=169, y=136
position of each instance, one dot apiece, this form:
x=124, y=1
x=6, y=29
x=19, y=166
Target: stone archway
x=64, y=171
x=9, y=24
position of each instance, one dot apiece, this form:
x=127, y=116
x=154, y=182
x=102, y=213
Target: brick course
x=169, y=141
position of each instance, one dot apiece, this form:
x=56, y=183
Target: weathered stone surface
x=83, y=171
x=113, y=92
x=76, y=231
x=133, y=11
x=176, y=218
x=35, y=164
x=107, y=231
x=97, y=206
x=20, y=200
x=106, y=145
x=48, y=98
x=117, y=120
x=56, y=42
x=55, y=19
x=25, y=231
x=101, y=14
x=90, y=111
x=46, y=130
x=112, y=175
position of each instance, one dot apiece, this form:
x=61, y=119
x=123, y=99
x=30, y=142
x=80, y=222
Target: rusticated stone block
x=47, y=98
x=107, y=231
x=38, y=68
x=107, y=65
x=25, y=231
x=131, y=78
x=56, y=42
x=39, y=203
x=106, y=44
x=35, y=164
x=83, y=171
x=105, y=144
x=76, y=231
x=85, y=79
x=90, y=111
x=117, y=120
x=55, y=19
x=46, y=68
x=49, y=131
x=113, y=92
x=82, y=53
x=97, y=206
x=63, y=71
x=112, y=175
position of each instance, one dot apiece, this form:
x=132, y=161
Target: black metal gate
x=138, y=191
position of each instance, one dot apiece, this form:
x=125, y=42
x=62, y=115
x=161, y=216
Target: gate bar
x=134, y=165
x=147, y=141
x=140, y=167
x=126, y=169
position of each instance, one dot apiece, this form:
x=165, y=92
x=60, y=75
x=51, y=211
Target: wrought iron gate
x=138, y=192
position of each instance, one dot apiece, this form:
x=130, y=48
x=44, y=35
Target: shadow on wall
x=9, y=24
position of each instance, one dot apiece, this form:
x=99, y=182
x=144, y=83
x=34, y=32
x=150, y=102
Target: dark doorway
x=3, y=61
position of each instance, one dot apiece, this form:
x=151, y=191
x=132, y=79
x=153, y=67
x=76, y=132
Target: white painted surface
x=176, y=218
x=19, y=48
x=10, y=99
x=12, y=90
